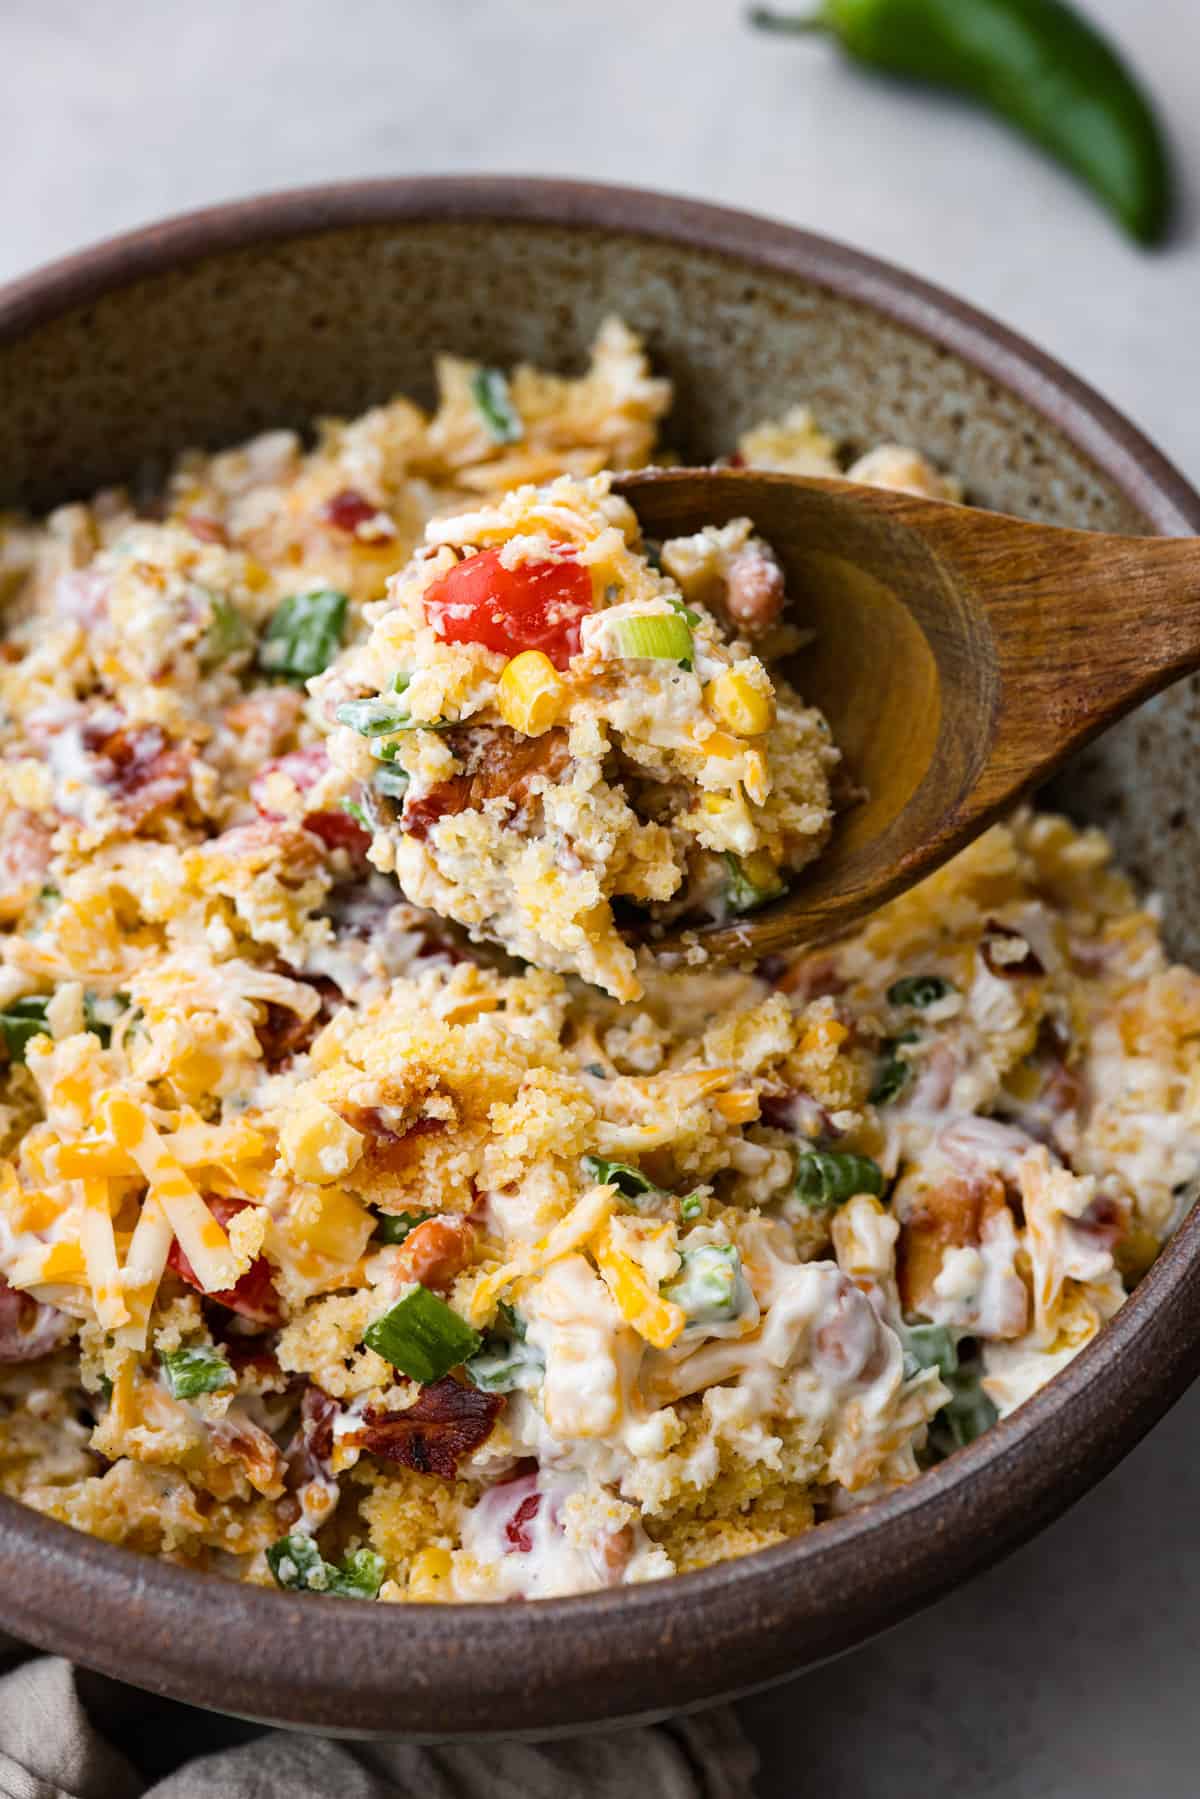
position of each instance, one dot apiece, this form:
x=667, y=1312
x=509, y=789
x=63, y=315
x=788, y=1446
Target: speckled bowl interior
x=279, y=311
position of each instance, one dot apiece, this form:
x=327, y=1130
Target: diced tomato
x=347, y=510
x=338, y=831
x=535, y=606
x=254, y=1297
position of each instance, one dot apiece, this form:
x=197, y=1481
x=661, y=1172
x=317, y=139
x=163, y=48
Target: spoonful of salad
x=959, y=657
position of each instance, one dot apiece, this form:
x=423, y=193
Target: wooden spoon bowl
x=959, y=656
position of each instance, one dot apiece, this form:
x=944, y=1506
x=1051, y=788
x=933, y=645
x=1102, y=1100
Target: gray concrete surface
x=1068, y=1671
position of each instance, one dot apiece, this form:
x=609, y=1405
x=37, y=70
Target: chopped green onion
x=422, y=1336
x=710, y=1287
x=506, y=1362
x=929, y=1346
x=893, y=1070
x=192, y=1371
x=355, y=811
x=401, y=681
x=391, y=782
x=629, y=1182
x=690, y=618
x=489, y=390
x=394, y=1227
x=304, y=635
x=826, y=1178
x=375, y=717
x=966, y=1416
x=691, y=1207
x=919, y=990
x=21, y=1020
x=227, y=632
x=298, y=1564
x=744, y=891
x=596, y=1069
x=655, y=637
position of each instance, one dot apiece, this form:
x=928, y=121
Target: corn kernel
x=530, y=694
x=737, y=1107
x=429, y=1570
x=735, y=701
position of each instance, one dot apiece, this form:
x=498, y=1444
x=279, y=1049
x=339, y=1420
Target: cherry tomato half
x=535, y=606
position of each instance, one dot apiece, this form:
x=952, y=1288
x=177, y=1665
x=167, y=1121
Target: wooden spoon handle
x=1084, y=626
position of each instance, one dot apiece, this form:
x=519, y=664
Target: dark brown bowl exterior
x=279, y=309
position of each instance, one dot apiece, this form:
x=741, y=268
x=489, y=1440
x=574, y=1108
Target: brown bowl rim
x=552, y=1665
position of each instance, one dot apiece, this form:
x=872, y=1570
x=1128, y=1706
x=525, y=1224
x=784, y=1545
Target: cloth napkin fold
x=69, y=1734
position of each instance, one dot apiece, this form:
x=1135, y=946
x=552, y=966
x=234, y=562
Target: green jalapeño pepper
x=1038, y=64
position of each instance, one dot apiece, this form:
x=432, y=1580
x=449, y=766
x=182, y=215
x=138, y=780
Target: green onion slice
x=919, y=990
x=422, y=1336
x=893, y=1070
x=298, y=1564
x=929, y=1346
x=227, y=632
x=826, y=1178
x=189, y=1372
x=966, y=1416
x=394, y=1227
x=744, y=893
x=377, y=716
x=691, y=1207
x=630, y=1182
x=304, y=635
x=710, y=1287
x=655, y=637
x=506, y=1362
x=391, y=782
x=493, y=402
x=21, y=1020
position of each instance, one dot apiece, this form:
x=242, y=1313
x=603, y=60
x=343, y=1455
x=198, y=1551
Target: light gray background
x=1070, y=1670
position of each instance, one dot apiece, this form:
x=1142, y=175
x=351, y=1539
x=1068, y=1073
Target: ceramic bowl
x=281, y=309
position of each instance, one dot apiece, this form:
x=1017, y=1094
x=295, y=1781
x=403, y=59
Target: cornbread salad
x=372, y=1222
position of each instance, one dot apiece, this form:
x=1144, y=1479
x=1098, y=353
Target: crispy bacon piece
x=140, y=766
x=348, y=509
x=997, y=938
x=239, y=1439
x=498, y=763
x=516, y=1529
x=284, y=1033
x=338, y=831
x=304, y=768
x=254, y=1296
x=951, y=1215
x=29, y=1329
x=434, y=1435
x=435, y=1251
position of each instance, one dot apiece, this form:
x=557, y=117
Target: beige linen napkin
x=68, y=1734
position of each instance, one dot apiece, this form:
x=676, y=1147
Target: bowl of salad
x=388, y=1236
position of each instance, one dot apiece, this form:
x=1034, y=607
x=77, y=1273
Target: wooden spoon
x=960, y=656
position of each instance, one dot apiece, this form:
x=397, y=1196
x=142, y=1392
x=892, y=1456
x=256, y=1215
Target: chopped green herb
x=377, y=716
x=690, y=618
x=298, y=1564
x=826, y=1178
x=967, y=1415
x=391, y=782
x=304, y=635
x=597, y=1069
x=356, y=812
x=655, y=637
x=401, y=681
x=746, y=892
x=691, y=1207
x=630, y=1182
x=892, y=1071
x=394, y=1227
x=489, y=390
x=710, y=1287
x=21, y=1020
x=422, y=1336
x=506, y=1362
x=929, y=1346
x=919, y=990
x=227, y=632
x=192, y=1371
x=49, y=892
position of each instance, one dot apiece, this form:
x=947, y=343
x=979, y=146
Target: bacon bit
x=29, y=1329
x=798, y=1112
x=435, y=1252
x=145, y=772
x=1006, y=966
x=848, y=1341
x=515, y=1529
x=498, y=763
x=283, y=1033
x=338, y=831
x=304, y=768
x=754, y=590
x=949, y=1216
x=240, y=1439
x=349, y=509
x=433, y=1436
x=310, y=1449
x=1106, y=1220
x=206, y=528
x=254, y=1296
